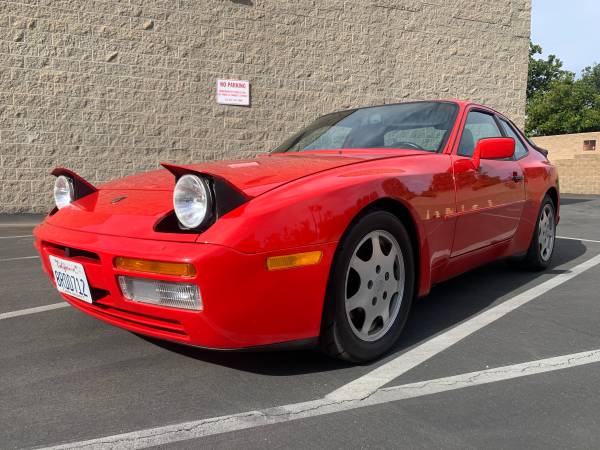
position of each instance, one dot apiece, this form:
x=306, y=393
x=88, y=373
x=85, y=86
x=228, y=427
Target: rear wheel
x=370, y=289
x=541, y=248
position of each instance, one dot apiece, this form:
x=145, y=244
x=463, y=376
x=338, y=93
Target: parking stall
x=495, y=357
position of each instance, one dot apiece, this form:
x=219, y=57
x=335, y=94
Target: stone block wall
x=108, y=88
x=578, y=169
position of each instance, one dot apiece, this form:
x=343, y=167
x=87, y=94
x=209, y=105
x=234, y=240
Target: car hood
x=258, y=175
x=132, y=206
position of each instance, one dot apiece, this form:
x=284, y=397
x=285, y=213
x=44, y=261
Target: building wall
x=578, y=169
x=108, y=88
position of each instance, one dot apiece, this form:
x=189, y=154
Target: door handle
x=516, y=177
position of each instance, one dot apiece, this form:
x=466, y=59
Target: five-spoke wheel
x=370, y=289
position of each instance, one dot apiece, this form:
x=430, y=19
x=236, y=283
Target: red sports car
x=326, y=240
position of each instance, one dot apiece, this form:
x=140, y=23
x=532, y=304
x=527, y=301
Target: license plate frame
x=70, y=278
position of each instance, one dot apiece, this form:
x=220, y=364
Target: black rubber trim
x=226, y=198
x=81, y=187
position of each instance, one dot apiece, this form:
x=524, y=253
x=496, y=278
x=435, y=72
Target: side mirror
x=493, y=148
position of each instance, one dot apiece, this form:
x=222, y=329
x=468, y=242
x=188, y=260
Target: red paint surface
x=496, y=148
x=461, y=217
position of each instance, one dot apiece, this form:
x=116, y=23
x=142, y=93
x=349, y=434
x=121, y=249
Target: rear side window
x=479, y=125
x=520, y=149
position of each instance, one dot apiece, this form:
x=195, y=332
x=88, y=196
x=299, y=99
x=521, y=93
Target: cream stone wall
x=108, y=88
x=578, y=169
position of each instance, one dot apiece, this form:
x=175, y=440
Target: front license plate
x=70, y=278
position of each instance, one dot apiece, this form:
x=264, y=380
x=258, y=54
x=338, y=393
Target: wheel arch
x=552, y=192
x=417, y=236
x=402, y=212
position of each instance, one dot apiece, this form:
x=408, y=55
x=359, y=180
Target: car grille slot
x=74, y=254
x=151, y=323
x=98, y=294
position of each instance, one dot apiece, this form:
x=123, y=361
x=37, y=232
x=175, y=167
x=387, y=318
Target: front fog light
x=161, y=293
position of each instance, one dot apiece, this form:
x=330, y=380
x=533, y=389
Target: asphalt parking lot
x=495, y=358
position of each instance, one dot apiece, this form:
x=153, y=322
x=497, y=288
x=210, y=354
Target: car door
x=489, y=200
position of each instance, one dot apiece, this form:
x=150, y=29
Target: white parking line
x=367, y=390
x=577, y=239
x=17, y=237
x=19, y=258
x=37, y=309
x=369, y=383
x=251, y=419
x=19, y=224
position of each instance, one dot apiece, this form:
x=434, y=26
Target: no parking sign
x=233, y=92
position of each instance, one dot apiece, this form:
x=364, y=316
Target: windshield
x=419, y=125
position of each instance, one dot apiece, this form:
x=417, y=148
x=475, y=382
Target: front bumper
x=244, y=305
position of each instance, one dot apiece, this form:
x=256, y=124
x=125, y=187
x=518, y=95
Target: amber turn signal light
x=295, y=260
x=156, y=267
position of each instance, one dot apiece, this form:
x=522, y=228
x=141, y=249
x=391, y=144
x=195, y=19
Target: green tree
x=557, y=103
x=542, y=72
x=569, y=106
x=591, y=75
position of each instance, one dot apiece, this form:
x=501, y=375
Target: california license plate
x=70, y=278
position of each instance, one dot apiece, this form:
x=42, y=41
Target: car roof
x=460, y=103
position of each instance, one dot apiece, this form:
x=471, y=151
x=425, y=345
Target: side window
x=520, y=149
x=479, y=125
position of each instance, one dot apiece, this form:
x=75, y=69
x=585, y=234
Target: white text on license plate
x=70, y=278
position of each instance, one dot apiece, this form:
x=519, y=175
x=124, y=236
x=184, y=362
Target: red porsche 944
x=325, y=240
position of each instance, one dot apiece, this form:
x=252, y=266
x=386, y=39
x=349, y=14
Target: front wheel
x=370, y=289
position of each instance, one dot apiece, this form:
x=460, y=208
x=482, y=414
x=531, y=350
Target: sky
x=570, y=29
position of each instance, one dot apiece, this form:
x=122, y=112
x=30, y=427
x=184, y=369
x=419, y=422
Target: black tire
x=337, y=337
x=534, y=259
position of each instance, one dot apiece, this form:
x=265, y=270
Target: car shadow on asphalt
x=460, y=298
x=448, y=304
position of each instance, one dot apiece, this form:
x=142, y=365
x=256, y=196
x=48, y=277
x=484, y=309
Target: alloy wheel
x=546, y=232
x=374, y=285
